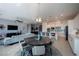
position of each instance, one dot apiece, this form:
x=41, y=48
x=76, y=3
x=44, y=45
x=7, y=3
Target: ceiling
x=28, y=12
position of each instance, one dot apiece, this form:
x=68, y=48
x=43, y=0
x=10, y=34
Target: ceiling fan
x=19, y=19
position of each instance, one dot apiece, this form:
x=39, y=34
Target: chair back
x=38, y=50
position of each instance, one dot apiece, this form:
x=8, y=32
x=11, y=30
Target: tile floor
x=61, y=44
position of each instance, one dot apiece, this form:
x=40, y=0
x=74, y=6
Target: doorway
x=35, y=28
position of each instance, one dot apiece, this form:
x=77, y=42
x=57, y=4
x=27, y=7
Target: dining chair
x=38, y=50
x=25, y=49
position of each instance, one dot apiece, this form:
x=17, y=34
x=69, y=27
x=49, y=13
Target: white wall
x=73, y=25
x=24, y=28
x=44, y=27
x=28, y=28
x=21, y=27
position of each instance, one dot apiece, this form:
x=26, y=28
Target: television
x=12, y=27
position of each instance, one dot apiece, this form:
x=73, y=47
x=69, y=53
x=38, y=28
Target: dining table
x=34, y=42
x=44, y=41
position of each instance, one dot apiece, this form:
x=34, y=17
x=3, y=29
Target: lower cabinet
x=74, y=43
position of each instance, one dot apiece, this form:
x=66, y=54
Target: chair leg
x=48, y=51
x=31, y=52
x=22, y=53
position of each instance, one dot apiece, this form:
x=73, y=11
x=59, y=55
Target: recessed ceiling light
x=40, y=20
x=36, y=20
x=56, y=17
x=61, y=15
x=46, y=19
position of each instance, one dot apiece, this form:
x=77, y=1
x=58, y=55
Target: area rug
x=53, y=52
x=49, y=52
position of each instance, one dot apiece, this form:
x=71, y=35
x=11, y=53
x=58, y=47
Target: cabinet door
x=71, y=42
x=77, y=46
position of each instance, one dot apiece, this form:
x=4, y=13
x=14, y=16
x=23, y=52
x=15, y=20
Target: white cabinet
x=71, y=41
x=74, y=43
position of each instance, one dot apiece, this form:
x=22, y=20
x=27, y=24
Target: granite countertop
x=74, y=36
